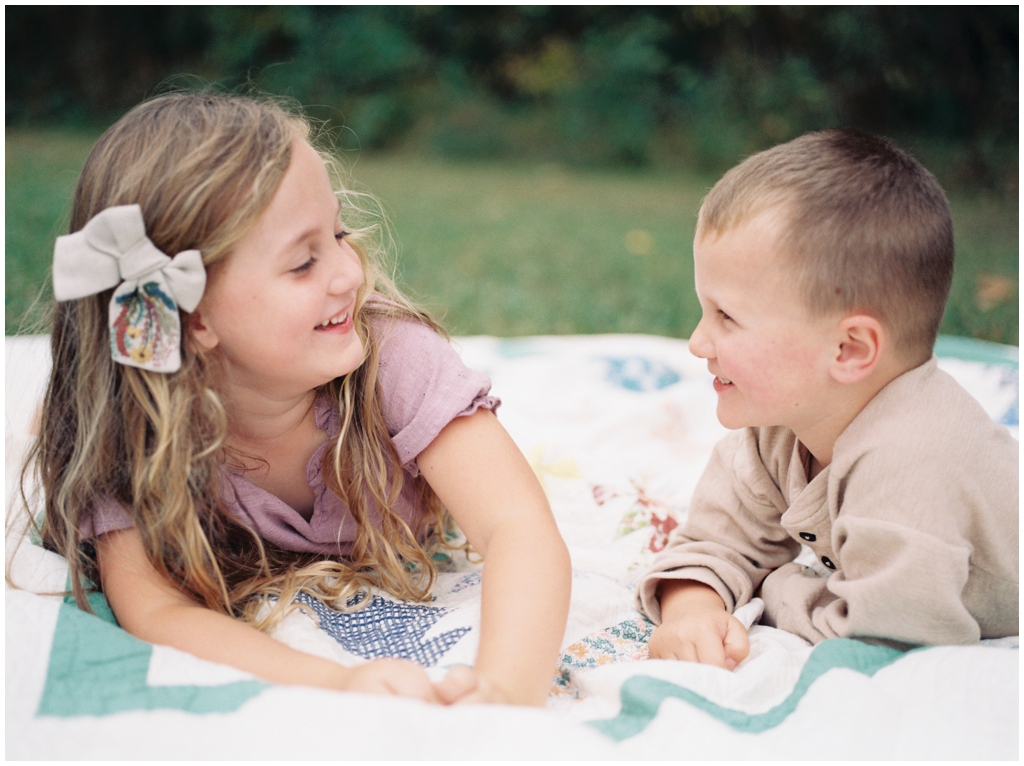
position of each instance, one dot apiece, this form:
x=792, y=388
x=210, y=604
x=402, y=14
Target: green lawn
x=505, y=249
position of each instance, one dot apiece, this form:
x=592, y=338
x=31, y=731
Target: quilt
x=618, y=429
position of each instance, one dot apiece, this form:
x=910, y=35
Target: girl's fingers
x=457, y=685
x=397, y=677
x=415, y=685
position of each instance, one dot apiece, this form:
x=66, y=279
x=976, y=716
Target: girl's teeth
x=336, y=320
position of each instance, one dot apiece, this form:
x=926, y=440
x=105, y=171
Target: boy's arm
x=492, y=493
x=894, y=583
x=733, y=536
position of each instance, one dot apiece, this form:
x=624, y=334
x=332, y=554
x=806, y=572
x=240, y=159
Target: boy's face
x=769, y=355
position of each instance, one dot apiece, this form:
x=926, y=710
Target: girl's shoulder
x=424, y=384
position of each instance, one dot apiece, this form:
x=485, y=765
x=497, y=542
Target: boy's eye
x=304, y=267
x=724, y=315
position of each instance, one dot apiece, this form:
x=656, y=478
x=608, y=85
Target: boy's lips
x=721, y=383
x=719, y=377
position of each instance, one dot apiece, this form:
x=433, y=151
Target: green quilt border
x=974, y=350
x=96, y=668
x=642, y=695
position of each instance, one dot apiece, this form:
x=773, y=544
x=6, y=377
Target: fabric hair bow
x=145, y=327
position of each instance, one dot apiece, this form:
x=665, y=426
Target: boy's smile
x=769, y=355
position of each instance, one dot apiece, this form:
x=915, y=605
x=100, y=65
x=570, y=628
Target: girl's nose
x=348, y=271
x=700, y=344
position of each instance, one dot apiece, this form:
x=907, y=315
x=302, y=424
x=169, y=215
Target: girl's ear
x=861, y=343
x=200, y=332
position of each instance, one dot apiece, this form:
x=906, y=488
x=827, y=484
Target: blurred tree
x=633, y=84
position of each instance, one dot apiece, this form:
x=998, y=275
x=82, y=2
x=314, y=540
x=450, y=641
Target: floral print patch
x=145, y=329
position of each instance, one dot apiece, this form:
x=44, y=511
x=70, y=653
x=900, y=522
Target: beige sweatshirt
x=916, y=519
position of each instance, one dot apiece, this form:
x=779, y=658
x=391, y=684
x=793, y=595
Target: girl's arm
x=485, y=482
x=149, y=607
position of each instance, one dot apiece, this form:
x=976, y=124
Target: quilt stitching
x=642, y=695
x=387, y=629
x=96, y=668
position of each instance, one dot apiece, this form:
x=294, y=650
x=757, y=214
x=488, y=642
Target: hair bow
x=145, y=327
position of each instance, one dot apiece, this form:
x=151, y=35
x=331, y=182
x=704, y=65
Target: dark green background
x=519, y=150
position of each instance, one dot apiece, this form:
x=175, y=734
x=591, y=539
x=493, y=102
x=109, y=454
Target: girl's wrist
x=338, y=676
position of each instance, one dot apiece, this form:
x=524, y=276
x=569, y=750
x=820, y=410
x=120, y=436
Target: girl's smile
x=340, y=323
x=280, y=309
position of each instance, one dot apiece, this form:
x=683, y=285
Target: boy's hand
x=394, y=677
x=463, y=685
x=696, y=627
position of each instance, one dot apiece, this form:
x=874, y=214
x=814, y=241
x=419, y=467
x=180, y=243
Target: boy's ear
x=199, y=332
x=861, y=343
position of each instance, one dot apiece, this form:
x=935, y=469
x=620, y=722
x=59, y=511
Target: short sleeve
x=107, y=515
x=424, y=386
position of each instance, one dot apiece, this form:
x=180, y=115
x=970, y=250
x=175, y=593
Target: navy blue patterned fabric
x=387, y=629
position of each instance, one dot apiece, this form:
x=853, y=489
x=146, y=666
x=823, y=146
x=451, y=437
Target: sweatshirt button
x=827, y=562
x=808, y=537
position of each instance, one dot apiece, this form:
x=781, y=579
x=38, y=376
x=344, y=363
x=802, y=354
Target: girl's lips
x=338, y=324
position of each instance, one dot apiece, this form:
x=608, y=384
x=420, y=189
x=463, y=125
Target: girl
x=265, y=414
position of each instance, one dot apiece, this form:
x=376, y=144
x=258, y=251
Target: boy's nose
x=700, y=345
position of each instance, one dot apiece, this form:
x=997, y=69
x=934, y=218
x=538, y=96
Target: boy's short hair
x=869, y=228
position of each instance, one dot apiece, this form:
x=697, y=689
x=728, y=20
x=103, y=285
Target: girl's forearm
x=526, y=584
x=219, y=638
x=149, y=607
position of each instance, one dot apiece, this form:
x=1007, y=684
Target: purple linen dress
x=424, y=385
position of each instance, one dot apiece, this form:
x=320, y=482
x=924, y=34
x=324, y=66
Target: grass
x=505, y=249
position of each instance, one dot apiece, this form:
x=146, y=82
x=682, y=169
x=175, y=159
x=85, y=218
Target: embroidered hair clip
x=113, y=249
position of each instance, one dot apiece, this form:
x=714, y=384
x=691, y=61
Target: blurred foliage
x=696, y=86
x=505, y=248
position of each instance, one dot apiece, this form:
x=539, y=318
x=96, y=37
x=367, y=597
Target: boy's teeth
x=723, y=381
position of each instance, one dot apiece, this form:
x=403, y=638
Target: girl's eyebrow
x=303, y=236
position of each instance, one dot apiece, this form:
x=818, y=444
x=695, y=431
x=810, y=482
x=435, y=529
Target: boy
x=823, y=267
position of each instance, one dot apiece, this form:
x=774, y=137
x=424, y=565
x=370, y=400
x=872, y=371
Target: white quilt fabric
x=618, y=428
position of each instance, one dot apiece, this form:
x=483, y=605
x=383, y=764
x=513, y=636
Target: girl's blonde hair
x=204, y=167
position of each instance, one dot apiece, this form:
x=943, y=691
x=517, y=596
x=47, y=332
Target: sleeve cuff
x=647, y=590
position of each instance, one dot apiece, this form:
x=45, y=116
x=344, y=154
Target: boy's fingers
x=687, y=652
x=710, y=650
x=737, y=642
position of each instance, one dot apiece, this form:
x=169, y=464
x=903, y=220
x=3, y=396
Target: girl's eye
x=304, y=267
x=341, y=235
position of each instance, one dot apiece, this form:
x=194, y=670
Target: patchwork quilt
x=618, y=429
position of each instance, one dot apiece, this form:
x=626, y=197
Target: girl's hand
x=463, y=685
x=391, y=676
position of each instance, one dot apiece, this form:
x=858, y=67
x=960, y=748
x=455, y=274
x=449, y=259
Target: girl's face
x=279, y=309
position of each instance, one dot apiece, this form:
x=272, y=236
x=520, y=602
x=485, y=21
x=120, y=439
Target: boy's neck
x=844, y=403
